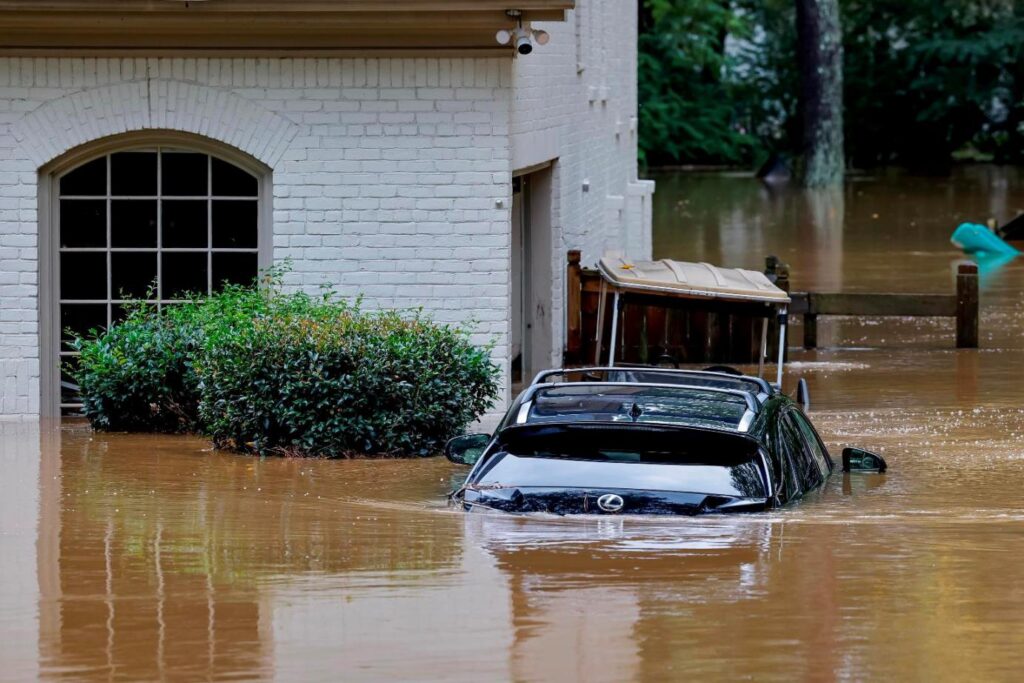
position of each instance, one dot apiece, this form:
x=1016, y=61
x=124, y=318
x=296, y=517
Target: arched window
x=155, y=223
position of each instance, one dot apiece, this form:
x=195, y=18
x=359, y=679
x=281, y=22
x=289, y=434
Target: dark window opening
x=136, y=225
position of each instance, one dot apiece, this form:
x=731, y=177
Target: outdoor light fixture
x=521, y=37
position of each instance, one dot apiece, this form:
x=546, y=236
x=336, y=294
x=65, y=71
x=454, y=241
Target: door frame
x=537, y=262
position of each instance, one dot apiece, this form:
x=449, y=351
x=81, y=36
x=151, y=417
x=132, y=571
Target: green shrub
x=266, y=372
x=138, y=375
x=331, y=380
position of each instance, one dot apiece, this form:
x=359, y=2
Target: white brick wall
x=575, y=101
x=391, y=177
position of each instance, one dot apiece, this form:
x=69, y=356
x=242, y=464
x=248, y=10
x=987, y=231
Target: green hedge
x=292, y=374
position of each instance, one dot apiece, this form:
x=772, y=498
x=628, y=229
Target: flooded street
x=135, y=557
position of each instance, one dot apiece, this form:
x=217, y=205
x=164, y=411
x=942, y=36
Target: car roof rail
x=748, y=396
x=765, y=385
x=751, y=409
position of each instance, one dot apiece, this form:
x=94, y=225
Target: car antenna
x=635, y=412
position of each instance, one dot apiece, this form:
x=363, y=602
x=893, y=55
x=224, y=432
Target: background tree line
x=924, y=82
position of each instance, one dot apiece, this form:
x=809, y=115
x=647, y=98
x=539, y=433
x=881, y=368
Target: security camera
x=521, y=36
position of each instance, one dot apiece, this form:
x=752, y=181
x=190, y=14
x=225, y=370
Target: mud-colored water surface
x=128, y=557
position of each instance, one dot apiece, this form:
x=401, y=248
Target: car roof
x=638, y=402
x=757, y=386
x=533, y=430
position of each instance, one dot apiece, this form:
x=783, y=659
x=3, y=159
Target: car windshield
x=642, y=404
x=626, y=458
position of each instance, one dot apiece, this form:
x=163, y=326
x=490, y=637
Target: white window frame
x=49, y=242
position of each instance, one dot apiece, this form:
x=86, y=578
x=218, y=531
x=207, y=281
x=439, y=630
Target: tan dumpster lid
x=697, y=280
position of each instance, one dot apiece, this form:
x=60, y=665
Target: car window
x=807, y=468
x=813, y=441
x=642, y=404
x=629, y=456
x=790, y=458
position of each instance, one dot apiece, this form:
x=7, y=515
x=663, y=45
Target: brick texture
x=391, y=177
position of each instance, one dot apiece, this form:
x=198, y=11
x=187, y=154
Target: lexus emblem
x=610, y=502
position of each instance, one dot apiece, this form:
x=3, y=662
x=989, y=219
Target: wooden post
x=810, y=330
x=782, y=282
x=715, y=350
x=573, y=308
x=967, y=306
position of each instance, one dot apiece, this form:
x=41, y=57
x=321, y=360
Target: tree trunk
x=820, y=59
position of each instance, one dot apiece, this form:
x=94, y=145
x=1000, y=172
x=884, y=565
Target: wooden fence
x=659, y=330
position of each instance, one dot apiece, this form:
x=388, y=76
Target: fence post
x=782, y=282
x=967, y=306
x=810, y=330
x=573, y=308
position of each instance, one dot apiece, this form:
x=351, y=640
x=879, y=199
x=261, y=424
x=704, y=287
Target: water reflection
x=632, y=599
x=163, y=549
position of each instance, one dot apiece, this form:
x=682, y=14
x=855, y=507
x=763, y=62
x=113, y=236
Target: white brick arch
x=60, y=125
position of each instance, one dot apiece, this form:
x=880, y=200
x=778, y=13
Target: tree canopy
x=925, y=82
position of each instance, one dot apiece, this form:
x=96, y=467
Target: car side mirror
x=466, y=449
x=803, y=394
x=860, y=460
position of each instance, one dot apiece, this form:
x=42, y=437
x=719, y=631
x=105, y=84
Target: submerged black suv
x=647, y=441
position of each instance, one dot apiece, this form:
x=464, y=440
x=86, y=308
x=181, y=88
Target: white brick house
x=404, y=156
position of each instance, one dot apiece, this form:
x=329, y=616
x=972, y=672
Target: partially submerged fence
x=963, y=306
x=674, y=332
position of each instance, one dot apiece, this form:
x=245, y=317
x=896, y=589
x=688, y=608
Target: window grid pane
x=235, y=261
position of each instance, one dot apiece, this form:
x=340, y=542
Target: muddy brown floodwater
x=144, y=557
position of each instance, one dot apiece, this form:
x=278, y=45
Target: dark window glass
x=132, y=273
x=81, y=318
x=87, y=179
x=234, y=224
x=183, y=273
x=610, y=403
x=813, y=441
x=133, y=174
x=133, y=223
x=68, y=384
x=184, y=223
x=83, y=275
x=234, y=268
x=806, y=467
x=118, y=312
x=83, y=222
x=184, y=174
x=789, y=477
x=231, y=181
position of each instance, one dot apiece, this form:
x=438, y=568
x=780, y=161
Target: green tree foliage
x=924, y=81
x=686, y=86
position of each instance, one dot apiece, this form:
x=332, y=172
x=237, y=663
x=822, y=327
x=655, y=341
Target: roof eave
x=264, y=27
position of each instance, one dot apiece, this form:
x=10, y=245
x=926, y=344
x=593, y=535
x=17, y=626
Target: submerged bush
x=137, y=375
x=266, y=372
x=336, y=381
